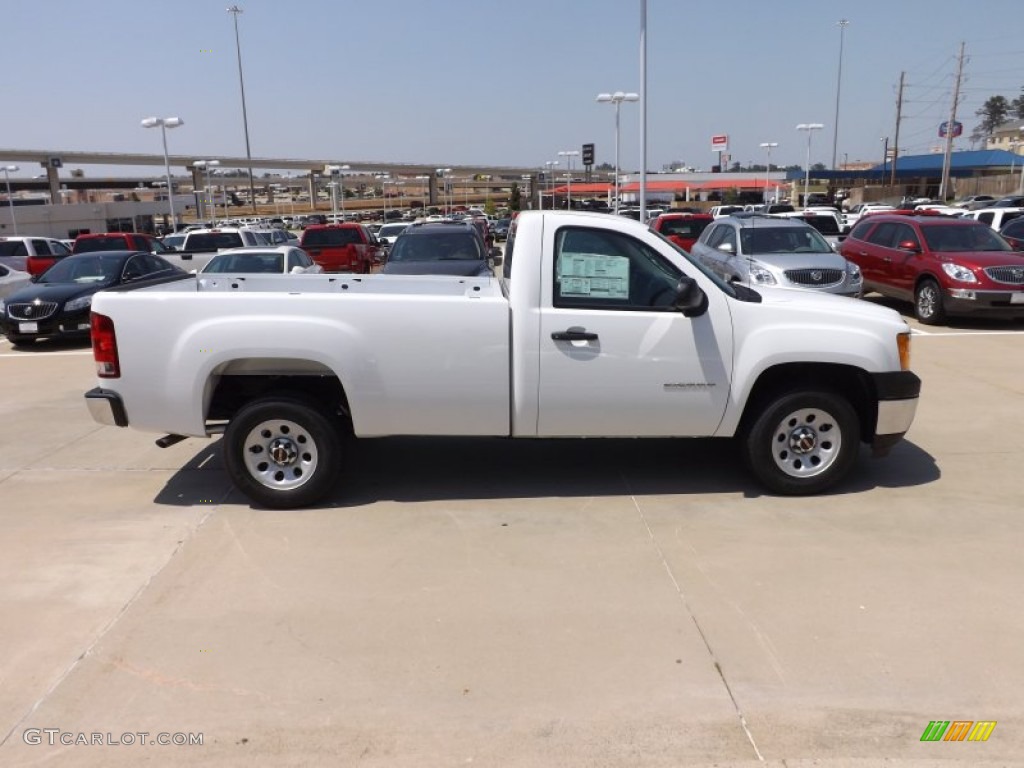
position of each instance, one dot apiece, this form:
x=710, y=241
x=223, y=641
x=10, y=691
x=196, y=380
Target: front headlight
x=854, y=272
x=83, y=302
x=957, y=272
x=761, y=276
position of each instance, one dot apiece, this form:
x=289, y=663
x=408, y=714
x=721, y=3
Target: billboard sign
x=958, y=128
x=720, y=143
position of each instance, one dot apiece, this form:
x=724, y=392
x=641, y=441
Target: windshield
x=960, y=239
x=263, y=262
x=776, y=240
x=88, y=269
x=390, y=230
x=437, y=247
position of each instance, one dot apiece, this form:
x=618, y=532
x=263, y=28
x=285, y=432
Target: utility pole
x=896, y=138
x=947, y=157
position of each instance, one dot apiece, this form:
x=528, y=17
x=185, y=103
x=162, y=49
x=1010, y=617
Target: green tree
x=1017, y=106
x=490, y=208
x=993, y=113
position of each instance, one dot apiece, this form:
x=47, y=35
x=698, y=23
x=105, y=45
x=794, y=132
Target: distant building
x=1008, y=136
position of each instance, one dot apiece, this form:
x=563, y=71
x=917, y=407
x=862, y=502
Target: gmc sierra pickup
x=598, y=327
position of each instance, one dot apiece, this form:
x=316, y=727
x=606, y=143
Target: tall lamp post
x=569, y=154
x=810, y=128
x=234, y=10
x=842, y=24
x=165, y=123
x=442, y=173
x=550, y=165
x=769, y=145
x=8, y=169
x=617, y=98
x=339, y=185
x=423, y=187
x=206, y=165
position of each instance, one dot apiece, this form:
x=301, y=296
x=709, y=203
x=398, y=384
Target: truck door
x=615, y=358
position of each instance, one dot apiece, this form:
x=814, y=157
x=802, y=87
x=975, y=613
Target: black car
x=1010, y=201
x=57, y=303
x=500, y=229
x=441, y=248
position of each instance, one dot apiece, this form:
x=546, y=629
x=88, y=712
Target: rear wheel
x=803, y=442
x=282, y=453
x=928, y=306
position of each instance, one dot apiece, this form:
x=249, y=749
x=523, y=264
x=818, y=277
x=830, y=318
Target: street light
x=810, y=128
x=339, y=171
x=551, y=169
x=767, y=176
x=423, y=188
x=207, y=164
x=617, y=98
x=842, y=24
x=165, y=123
x=234, y=10
x=10, y=200
x=442, y=173
x=570, y=154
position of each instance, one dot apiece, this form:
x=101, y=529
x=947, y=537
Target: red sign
x=719, y=143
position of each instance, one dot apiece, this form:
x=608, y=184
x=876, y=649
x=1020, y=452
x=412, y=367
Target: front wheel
x=282, y=453
x=928, y=303
x=803, y=442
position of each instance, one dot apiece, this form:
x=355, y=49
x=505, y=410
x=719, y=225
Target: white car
x=282, y=260
x=11, y=279
x=389, y=232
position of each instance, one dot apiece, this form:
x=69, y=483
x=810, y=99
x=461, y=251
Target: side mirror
x=689, y=298
x=909, y=245
x=727, y=248
x=296, y=270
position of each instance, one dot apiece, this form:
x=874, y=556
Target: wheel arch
x=852, y=383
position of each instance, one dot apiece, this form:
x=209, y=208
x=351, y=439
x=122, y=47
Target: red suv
x=944, y=266
x=106, y=241
x=345, y=247
x=683, y=229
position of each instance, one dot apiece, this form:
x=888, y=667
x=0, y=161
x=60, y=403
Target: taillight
x=104, y=347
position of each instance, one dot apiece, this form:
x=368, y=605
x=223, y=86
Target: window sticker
x=593, y=276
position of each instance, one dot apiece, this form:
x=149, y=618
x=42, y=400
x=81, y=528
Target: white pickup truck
x=598, y=327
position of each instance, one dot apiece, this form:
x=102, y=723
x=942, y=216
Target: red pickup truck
x=347, y=247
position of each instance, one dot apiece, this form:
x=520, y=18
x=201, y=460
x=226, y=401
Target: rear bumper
x=898, y=393
x=106, y=407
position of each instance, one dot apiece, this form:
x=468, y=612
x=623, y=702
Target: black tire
x=19, y=341
x=803, y=442
x=282, y=453
x=928, y=306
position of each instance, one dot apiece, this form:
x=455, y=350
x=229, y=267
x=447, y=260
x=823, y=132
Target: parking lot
x=499, y=603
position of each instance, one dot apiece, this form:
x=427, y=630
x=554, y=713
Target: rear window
x=322, y=237
x=13, y=248
x=90, y=244
x=207, y=242
x=827, y=225
x=684, y=227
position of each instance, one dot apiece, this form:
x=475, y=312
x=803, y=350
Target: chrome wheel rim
x=927, y=300
x=806, y=443
x=280, y=454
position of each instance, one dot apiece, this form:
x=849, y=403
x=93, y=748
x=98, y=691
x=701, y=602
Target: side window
x=903, y=233
x=860, y=230
x=883, y=235
x=59, y=249
x=42, y=247
x=986, y=217
x=599, y=269
x=723, y=234
x=293, y=261
x=156, y=246
x=134, y=268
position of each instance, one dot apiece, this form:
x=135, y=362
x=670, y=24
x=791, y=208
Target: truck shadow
x=414, y=469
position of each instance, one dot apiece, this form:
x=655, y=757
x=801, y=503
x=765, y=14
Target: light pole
x=569, y=154
x=551, y=169
x=423, y=187
x=842, y=24
x=1021, y=188
x=206, y=165
x=10, y=200
x=234, y=10
x=767, y=176
x=339, y=171
x=810, y=128
x=442, y=173
x=165, y=123
x=617, y=98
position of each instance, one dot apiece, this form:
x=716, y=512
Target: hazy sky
x=501, y=82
